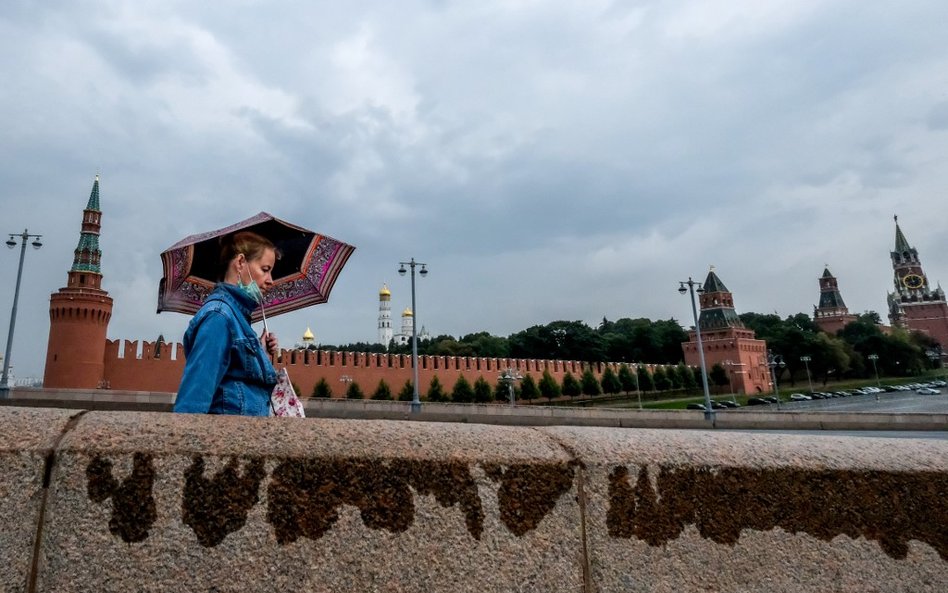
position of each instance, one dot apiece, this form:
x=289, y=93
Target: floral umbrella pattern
x=303, y=276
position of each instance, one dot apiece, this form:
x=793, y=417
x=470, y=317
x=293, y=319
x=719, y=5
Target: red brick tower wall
x=75, y=355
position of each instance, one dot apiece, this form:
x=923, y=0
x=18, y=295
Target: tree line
x=626, y=379
x=643, y=341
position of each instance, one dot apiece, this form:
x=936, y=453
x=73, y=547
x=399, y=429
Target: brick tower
x=915, y=305
x=832, y=314
x=726, y=341
x=79, y=313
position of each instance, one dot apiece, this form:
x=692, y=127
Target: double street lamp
x=690, y=284
x=774, y=361
x=806, y=362
x=11, y=243
x=510, y=376
x=415, y=399
x=874, y=358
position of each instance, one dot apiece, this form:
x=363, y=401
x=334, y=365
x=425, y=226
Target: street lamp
x=415, y=399
x=11, y=243
x=708, y=410
x=773, y=361
x=874, y=358
x=510, y=376
x=806, y=362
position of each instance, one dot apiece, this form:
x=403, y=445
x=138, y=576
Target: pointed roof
x=826, y=272
x=88, y=255
x=713, y=284
x=900, y=243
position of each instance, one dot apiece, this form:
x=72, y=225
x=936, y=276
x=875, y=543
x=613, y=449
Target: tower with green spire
x=79, y=313
x=914, y=304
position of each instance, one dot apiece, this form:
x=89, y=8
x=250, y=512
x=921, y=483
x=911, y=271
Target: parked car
x=756, y=401
x=695, y=407
x=770, y=399
x=928, y=391
x=799, y=397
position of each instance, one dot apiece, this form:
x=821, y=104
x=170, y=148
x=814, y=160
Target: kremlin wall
x=80, y=357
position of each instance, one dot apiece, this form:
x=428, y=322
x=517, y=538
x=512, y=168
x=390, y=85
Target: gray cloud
x=549, y=161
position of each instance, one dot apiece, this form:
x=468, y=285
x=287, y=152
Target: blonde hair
x=248, y=243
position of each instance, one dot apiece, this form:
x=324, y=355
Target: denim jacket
x=227, y=370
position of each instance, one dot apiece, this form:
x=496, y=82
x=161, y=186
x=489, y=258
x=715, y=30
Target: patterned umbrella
x=303, y=276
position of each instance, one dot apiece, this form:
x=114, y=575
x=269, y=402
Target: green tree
x=436, y=391
x=627, y=379
x=718, y=375
x=610, y=382
x=528, y=388
x=382, y=391
x=322, y=389
x=687, y=376
x=589, y=383
x=462, y=392
x=549, y=388
x=674, y=379
x=482, y=391
x=407, y=392
x=646, y=383
x=354, y=391
x=571, y=386
x=661, y=379
x=502, y=390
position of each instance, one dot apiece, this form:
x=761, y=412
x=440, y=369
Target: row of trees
x=626, y=380
x=844, y=355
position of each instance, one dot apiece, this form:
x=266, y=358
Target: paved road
x=901, y=402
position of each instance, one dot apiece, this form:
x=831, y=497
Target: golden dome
x=385, y=292
x=308, y=336
x=407, y=312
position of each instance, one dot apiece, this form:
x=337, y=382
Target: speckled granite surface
x=162, y=502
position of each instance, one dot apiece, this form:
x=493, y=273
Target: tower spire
x=88, y=256
x=901, y=244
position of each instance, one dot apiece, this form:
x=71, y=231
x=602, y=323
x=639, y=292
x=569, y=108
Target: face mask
x=250, y=289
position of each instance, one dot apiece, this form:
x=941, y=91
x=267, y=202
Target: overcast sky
x=547, y=159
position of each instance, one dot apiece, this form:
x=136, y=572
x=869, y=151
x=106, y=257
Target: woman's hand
x=270, y=342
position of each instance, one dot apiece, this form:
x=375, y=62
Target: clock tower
x=914, y=304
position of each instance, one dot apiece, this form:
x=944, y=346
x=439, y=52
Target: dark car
x=757, y=401
x=771, y=399
x=728, y=403
x=695, y=407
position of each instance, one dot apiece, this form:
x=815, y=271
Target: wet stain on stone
x=528, y=493
x=217, y=506
x=888, y=507
x=133, y=505
x=304, y=494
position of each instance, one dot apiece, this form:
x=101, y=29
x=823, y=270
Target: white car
x=799, y=397
x=928, y=391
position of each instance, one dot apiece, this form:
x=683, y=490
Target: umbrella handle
x=263, y=312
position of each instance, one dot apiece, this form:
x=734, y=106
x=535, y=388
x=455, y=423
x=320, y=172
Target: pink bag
x=283, y=399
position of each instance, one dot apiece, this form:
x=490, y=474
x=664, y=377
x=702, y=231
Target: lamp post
x=11, y=243
x=708, y=410
x=415, y=399
x=874, y=358
x=773, y=361
x=510, y=376
x=806, y=362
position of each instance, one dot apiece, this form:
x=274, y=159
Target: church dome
x=308, y=335
x=385, y=292
x=407, y=312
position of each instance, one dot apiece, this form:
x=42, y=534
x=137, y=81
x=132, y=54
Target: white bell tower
x=385, y=316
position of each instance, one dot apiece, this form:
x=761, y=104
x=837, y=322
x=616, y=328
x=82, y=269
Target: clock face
x=912, y=281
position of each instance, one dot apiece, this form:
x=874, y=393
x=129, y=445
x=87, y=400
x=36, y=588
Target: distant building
x=386, y=331
x=914, y=304
x=832, y=314
x=727, y=342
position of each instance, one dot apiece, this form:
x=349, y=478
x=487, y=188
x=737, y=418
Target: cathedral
x=387, y=336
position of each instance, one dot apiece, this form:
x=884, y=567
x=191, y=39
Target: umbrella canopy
x=303, y=276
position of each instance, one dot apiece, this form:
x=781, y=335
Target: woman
x=227, y=370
